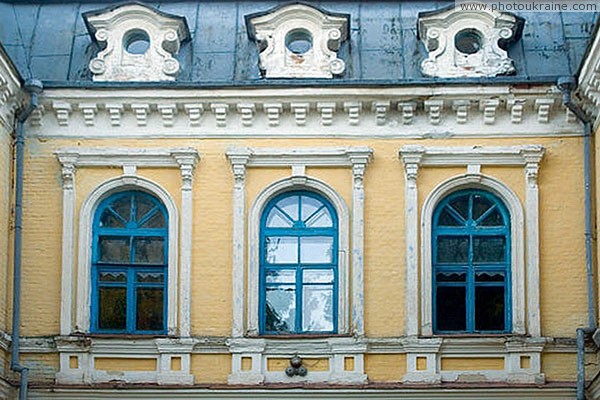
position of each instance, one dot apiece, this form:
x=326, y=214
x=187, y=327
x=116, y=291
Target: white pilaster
x=68, y=231
x=359, y=164
x=187, y=160
x=238, y=165
x=532, y=158
x=411, y=157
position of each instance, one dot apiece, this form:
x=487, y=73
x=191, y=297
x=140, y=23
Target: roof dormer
x=138, y=43
x=298, y=41
x=468, y=42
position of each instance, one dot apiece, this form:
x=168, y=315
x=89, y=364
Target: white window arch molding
x=524, y=226
x=254, y=216
x=180, y=232
x=86, y=218
x=241, y=158
x=517, y=261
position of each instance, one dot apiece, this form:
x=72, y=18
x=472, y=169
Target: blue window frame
x=298, y=265
x=129, y=265
x=471, y=264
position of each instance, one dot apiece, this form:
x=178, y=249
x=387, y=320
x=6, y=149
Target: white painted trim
x=298, y=158
x=86, y=217
x=103, y=113
x=334, y=349
x=254, y=214
x=529, y=156
x=311, y=156
x=87, y=350
x=129, y=159
x=515, y=209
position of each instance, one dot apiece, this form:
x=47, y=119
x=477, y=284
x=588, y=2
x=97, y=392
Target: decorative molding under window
x=335, y=360
x=436, y=360
x=524, y=249
x=349, y=321
x=138, y=43
x=299, y=41
x=179, y=258
x=87, y=360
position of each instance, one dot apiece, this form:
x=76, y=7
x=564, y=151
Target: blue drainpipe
x=566, y=85
x=33, y=87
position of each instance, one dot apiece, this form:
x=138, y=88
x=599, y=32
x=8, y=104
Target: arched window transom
x=471, y=264
x=129, y=264
x=298, y=265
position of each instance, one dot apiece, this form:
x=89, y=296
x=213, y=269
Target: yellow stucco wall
x=561, y=237
x=5, y=201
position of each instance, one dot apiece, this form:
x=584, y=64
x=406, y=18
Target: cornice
x=589, y=81
x=10, y=91
x=411, y=112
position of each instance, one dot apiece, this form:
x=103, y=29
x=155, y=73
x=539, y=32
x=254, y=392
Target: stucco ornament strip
x=350, y=298
x=467, y=43
x=138, y=43
x=299, y=41
x=452, y=111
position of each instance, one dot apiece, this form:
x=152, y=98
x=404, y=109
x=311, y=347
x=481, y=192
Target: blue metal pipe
x=566, y=85
x=33, y=87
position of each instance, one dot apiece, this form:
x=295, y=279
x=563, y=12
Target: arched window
x=471, y=264
x=298, y=265
x=129, y=265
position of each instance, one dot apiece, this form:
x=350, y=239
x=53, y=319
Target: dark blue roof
x=49, y=40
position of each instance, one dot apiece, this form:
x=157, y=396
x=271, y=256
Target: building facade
x=268, y=199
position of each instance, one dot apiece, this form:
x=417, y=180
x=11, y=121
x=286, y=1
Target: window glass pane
x=122, y=206
x=451, y=308
x=480, y=206
x=489, y=308
x=317, y=308
x=451, y=277
x=322, y=219
x=112, y=308
x=112, y=276
x=110, y=220
x=157, y=220
x=281, y=250
x=461, y=206
x=276, y=219
x=114, y=250
x=281, y=276
x=150, y=277
x=149, y=309
x=309, y=206
x=143, y=204
x=149, y=251
x=447, y=219
x=318, y=276
x=452, y=249
x=489, y=276
x=280, y=309
x=494, y=218
x=289, y=205
x=316, y=249
x=489, y=249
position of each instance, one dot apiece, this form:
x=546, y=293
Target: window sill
x=301, y=336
